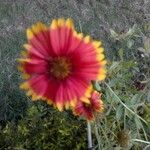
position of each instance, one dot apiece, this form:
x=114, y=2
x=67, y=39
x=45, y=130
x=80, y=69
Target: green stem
x=89, y=133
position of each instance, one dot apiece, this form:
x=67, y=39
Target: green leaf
x=119, y=112
x=120, y=52
x=117, y=148
x=138, y=123
x=96, y=86
x=114, y=65
x=130, y=43
x=135, y=99
x=147, y=44
x=148, y=96
x=113, y=33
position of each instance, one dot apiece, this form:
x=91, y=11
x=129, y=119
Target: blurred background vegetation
x=124, y=28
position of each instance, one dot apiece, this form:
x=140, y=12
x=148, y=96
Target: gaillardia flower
x=88, y=106
x=58, y=63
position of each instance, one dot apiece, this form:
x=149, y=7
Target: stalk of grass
x=142, y=141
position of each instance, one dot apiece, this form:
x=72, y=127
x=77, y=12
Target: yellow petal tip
x=69, y=23
x=27, y=46
x=29, y=34
x=24, y=86
x=101, y=77
x=59, y=106
x=61, y=22
x=54, y=24
x=73, y=102
x=87, y=39
x=25, y=76
x=100, y=57
x=97, y=44
x=85, y=100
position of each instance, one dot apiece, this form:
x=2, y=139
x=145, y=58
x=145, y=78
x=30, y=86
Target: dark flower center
x=61, y=67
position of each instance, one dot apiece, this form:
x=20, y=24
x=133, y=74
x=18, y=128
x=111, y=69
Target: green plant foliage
x=44, y=128
x=126, y=97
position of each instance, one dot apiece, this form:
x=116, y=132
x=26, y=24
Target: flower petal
x=39, y=39
x=39, y=84
x=35, y=67
x=35, y=29
x=60, y=35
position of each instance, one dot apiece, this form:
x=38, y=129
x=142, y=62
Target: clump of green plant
x=44, y=128
x=125, y=124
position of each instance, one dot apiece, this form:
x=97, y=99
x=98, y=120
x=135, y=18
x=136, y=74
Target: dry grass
x=95, y=17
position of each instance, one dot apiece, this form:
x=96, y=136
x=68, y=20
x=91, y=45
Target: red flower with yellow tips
x=89, y=105
x=58, y=63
